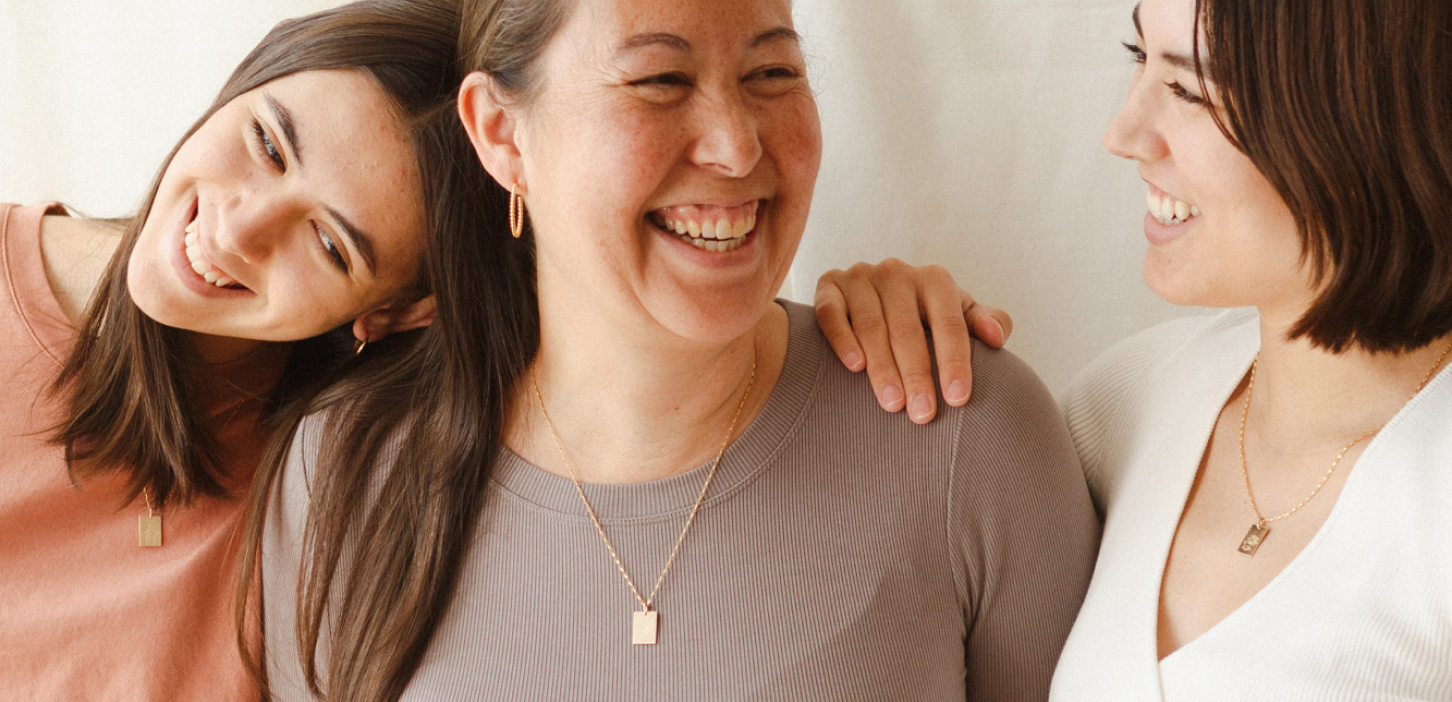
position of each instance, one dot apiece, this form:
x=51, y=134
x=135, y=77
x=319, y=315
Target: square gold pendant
x=1253, y=539
x=149, y=530
x=644, y=626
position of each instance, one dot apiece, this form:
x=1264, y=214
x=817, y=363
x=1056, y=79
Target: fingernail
x=920, y=407
x=892, y=395
x=852, y=360
x=1002, y=337
x=957, y=391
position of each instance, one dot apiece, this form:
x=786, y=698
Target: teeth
x=715, y=236
x=1169, y=211
x=200, y=265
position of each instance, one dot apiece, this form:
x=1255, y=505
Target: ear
x=383, y=321
x=492, y=129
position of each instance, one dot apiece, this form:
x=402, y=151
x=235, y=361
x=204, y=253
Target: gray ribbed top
x=842, y=553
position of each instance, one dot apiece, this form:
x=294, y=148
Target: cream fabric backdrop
x=959, y=132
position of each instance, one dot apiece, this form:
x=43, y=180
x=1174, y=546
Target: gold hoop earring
x=516, y=211
x=359, y=345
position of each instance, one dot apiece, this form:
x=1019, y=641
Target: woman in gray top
x=657, y=483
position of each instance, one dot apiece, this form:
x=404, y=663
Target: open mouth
x=203, y=267
x=1167, y=210
x=708, y=227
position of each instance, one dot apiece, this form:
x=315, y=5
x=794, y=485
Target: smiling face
x=294, y=209
x=1219, y=233
x=669, y=160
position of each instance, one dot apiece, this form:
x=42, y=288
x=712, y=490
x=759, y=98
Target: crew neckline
x=672, y=498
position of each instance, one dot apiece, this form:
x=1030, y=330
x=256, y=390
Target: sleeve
x=1022, y=531
x=1099, y=406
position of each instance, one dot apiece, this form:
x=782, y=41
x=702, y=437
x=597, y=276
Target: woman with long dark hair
x=661, y=487
x=288, y=226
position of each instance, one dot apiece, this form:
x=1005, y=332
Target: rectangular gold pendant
x=643, y=628
x=1253, y=539
x=149, y=530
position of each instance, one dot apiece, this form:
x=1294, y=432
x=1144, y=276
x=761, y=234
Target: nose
x=1133, y=134
x=728, y=141
x=251, y=223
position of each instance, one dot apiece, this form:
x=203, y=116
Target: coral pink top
x=85, y=612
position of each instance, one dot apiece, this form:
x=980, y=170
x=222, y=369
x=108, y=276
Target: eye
x=265, y=145
x=773, y=80
x=330, y=248
x=1136, y=53
x=663, y=80
x=1180, y=92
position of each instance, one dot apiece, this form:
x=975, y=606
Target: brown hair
x=1346, y=108
x=129, y=406
x=386, y=532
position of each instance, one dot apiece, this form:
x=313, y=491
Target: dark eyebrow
x=360, y=240
x=1179, y=61
x=289, y=127
x=680, y=44
x=663, y=38
x=774, y=34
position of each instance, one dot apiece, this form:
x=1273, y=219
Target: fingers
x=990, y=325
x=831, y=306
x=943, y=311
x=869, y=324
x=903, y=311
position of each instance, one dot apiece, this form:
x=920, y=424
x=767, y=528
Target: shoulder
x=1102, y=405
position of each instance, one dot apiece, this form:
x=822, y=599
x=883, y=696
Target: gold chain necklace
x=645, y=623
x=1261, y=528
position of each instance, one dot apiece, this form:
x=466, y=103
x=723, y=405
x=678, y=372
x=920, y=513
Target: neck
x=630, y=408
x=1305, y=395
x=223, y=349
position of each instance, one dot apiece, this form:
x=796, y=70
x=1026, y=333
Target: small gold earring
x=516, y=211
x=359, y=345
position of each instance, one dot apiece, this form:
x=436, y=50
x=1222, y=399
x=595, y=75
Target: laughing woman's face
x=293, y=210
x=1219, y=234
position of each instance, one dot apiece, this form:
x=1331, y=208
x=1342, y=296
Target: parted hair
x=406, y=445
x=1346, y=107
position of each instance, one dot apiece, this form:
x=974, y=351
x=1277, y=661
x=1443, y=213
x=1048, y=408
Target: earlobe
x=388, y=320
x=491, y=127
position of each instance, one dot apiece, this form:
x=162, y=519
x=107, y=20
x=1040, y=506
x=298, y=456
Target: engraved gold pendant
x=149, y=530
x=644, y=626
x=1253, y=539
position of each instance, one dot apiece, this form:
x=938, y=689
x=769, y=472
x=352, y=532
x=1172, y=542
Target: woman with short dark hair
x=1274, y=479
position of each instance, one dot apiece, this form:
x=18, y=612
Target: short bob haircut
x=1346, y=107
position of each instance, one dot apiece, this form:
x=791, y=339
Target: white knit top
x=1363, y=613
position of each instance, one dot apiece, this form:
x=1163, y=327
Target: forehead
x=1167, y=22
x=725, y=23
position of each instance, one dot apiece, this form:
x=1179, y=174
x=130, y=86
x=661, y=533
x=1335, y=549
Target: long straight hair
x=128, y=402
x=407, y=445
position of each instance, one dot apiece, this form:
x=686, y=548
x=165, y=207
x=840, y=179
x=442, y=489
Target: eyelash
x=330, y=249
x=1179, y=91
x=1134, y=51
x=266, y=147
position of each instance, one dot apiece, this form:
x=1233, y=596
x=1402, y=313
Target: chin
x=715, y=324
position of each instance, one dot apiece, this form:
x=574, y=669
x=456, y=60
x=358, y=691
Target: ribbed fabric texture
x=842, y=553
x=1364, y=613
